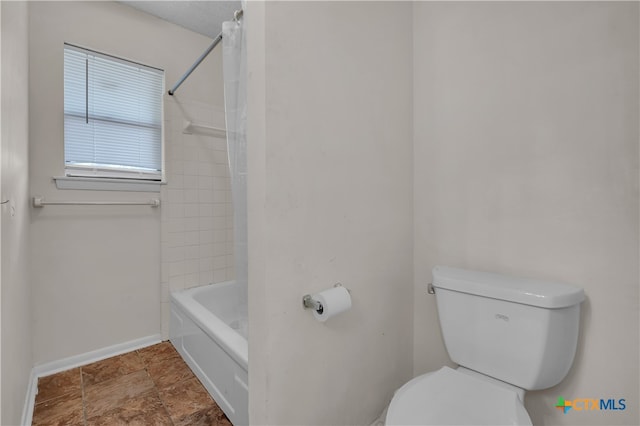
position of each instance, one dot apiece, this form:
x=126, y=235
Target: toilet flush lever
x=431, y=289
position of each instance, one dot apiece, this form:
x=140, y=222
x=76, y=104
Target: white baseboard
x=30, y=400
x=53, y=367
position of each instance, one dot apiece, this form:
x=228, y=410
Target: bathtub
x=208, y=327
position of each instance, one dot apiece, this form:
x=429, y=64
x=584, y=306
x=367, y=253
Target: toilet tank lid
x=544, y=294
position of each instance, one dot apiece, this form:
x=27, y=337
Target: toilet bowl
x=507, y=335
x=454, y=397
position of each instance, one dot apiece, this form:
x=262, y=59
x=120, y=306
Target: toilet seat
x=450, y=397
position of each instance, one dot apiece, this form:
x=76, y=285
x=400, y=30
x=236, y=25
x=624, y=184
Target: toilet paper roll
x=334, y=301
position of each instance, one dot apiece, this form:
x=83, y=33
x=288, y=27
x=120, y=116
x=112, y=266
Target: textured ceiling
x=204, y=17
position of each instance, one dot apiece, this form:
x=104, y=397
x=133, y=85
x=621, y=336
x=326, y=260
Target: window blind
x=112, y=116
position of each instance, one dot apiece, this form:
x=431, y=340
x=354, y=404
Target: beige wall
x=16, y=288
x=330, y=201
x=526, y=162
x=96, y=270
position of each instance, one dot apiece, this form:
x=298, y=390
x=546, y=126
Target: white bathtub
x=208, y=327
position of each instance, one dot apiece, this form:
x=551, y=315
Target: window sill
x=106, y=184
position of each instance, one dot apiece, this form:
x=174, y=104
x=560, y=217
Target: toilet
x=508, y=335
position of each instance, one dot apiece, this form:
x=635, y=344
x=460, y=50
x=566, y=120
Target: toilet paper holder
x=308, y=302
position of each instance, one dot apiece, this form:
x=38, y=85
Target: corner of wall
x=16, y=346
x=256, y=130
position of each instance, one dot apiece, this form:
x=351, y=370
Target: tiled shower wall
x=197, y=213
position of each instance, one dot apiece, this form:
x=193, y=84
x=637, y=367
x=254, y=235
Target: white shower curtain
x=235, y=96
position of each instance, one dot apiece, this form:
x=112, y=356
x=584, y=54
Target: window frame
x=99, y=177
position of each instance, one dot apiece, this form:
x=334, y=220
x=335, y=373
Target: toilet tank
x=521, y=331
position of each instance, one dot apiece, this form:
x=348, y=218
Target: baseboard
x=53, y=367
x=30, y=399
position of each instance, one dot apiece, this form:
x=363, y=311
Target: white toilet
x=507, y=334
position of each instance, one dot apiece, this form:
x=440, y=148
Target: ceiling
x=204, y=17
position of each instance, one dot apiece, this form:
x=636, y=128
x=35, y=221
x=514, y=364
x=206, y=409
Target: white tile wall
x=197, y=214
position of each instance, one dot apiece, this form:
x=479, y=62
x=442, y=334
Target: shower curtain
x=234, y=59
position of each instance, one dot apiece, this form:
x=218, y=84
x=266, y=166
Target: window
x=112, y=116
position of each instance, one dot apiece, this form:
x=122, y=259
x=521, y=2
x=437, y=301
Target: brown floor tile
x=142, y=410
x=63, y=410
x=213, y=416
x=169, y=372
x=114, y=393
x=151, y=386
x=157, y=352
x=66, y=382
x=111, y=368
x=185, y=398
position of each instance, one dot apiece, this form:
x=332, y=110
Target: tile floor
x=150, y=386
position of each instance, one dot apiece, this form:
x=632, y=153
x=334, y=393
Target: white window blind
x=112, y=116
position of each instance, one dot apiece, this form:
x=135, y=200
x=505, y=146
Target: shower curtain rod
x=236, y=17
